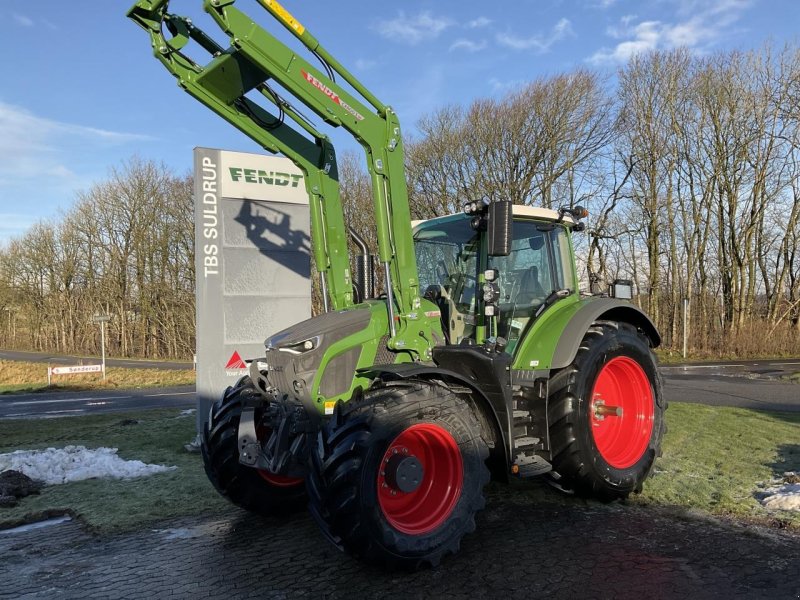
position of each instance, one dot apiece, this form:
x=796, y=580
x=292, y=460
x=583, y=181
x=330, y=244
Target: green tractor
x=388, y=415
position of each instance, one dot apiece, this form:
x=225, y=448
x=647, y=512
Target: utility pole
x=685, y=314
x=102, y=320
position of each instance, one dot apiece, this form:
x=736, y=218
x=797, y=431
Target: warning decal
x=236, y=362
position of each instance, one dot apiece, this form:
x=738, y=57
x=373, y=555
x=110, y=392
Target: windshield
x=447, y=259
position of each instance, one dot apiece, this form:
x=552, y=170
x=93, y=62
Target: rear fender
x=600, y=309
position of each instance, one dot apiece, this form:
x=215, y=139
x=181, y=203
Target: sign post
x=102, y=319
x=253, y=262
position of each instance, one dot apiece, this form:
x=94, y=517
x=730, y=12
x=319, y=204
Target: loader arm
x=255, y=58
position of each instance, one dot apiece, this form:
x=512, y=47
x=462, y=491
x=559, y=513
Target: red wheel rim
x=621, y=412
x=279, y=480
x=430, y=504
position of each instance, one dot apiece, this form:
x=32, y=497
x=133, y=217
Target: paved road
x=521, y=549
x=753, y=387
x=753, y=384
x=131, y=363
x=71, y=404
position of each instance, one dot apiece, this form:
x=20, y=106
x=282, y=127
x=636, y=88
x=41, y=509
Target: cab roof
x=518, y=210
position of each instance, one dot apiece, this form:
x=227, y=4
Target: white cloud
x=22, y=132
x=22, y=20
x=40, y=153
x=708, y=23
x=468, y=45
x=602, y=4
x=412, y=29
x=541, y=43
x=478, y=23
x=502, y=87
x=365, y=64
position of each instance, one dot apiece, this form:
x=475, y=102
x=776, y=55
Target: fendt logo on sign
x=264, y=177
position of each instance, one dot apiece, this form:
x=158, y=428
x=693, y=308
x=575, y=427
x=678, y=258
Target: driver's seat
x=529, y=287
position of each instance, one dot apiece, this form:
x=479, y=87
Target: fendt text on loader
x=481, y=359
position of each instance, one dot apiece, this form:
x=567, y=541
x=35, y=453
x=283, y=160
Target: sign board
x=252, y=262
x=76, y=369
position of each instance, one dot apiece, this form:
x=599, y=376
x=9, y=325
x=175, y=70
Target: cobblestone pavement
x=573, y=550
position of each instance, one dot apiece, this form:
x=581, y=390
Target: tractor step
x=525, y=443
x=531, y=465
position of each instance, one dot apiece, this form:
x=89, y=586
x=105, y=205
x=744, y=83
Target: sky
x=80, y=92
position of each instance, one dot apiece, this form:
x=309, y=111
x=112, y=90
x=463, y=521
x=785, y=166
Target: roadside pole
x=103, y=346
x=685, y=313
x=102, y=319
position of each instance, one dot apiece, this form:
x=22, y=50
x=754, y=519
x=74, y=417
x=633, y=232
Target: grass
x=17, y=377
x=715, y=460
x=793, y=377
x=108, y=504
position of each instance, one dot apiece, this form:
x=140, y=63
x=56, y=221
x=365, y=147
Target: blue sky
x=80, y=91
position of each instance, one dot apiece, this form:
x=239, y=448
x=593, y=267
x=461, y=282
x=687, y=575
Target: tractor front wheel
x=397, y=478
x=252, y=489
x=606, y=414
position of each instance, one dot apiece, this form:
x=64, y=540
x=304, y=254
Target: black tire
x=244, y=486
x=578, y=464
x=343, y=484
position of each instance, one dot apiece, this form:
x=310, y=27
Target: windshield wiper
x=553, y=297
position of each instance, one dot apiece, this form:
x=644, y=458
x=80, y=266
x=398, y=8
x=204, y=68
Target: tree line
x=126, y=250
x=689, y=166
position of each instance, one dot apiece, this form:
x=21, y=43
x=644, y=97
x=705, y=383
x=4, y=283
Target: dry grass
x=755, y=340
x=18, y=376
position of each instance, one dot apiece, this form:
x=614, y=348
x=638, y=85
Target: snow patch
x=75, y=463
x=36, y=525
x=785, y=496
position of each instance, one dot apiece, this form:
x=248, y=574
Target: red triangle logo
x=236, y=362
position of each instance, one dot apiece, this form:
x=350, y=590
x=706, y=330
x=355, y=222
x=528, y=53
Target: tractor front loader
x=480, y=358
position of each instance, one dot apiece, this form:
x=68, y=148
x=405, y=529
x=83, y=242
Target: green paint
x=256, y=57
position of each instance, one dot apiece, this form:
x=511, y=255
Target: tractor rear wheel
x=252, y=489
x=606, y=414
x=398, y=477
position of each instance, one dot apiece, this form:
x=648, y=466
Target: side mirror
x=499, y=228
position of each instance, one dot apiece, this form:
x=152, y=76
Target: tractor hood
x=316, y=359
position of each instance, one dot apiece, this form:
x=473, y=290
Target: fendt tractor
x=388, y=414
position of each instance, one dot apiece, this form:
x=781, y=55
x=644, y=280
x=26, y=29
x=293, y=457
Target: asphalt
x=67, y=359
x=520, y=550
x=757, y=385
x=72, y=404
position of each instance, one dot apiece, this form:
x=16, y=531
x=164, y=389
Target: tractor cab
x=453, y=260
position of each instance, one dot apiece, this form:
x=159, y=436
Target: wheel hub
x=419, y=479
x=404, y=473
x=621, y=413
